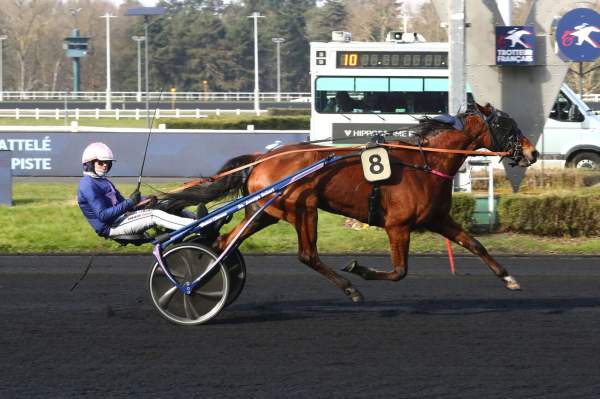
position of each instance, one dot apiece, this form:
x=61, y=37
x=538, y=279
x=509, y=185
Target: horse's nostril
x=535, y=155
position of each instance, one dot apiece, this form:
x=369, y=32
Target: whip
x=148, y=140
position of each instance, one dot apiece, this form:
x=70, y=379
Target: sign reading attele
x=578, y=35
x=515, y=45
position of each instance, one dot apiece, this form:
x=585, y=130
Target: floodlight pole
x=255, y=15
x=139, y=40
x=278, y=41
x=2, y=39
x=108, y=16
x=146, y=12
x=146, y=71
x=457, y=96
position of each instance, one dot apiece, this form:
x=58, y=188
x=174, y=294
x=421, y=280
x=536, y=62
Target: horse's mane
x=429, y=127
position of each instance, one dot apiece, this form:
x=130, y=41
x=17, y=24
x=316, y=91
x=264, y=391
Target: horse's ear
x=487, y=109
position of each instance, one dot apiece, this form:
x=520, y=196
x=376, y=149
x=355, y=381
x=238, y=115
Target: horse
x=417, y=195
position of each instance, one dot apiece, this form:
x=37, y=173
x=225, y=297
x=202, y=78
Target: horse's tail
x=229, y=185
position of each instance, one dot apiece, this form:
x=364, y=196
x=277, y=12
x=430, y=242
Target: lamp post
x=403, y=14
x=2, y=39
x=278, y=41
x=139, y=40
x=108, y=16
x=256, y=15
x=146, y=12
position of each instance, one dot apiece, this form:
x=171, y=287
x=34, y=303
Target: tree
x=370, y=21
x=321, y=21
x=26, y=22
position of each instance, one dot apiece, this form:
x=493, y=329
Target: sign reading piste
x=578, y=35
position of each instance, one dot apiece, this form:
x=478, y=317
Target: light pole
x=146, y=12
x=278, y=41
x=402, y=14
x=2, y=39
x=139, y=40
x=256, y=15
x=108, y=16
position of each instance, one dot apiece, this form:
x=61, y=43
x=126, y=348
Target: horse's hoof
x=354, y=294
x=511, y=283
x=350, y=267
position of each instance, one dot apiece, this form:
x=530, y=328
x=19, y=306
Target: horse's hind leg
x=453, y=231
x=399, y=237
x=305, y=223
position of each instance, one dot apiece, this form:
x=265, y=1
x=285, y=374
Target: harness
x=505, y=135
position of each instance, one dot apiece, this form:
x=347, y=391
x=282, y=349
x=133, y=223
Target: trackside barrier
x=56, y=151
x=117, y=113
x=117, y=96
x=5, y=178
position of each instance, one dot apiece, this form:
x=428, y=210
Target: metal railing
x=152, y=96
x=595, y=98
x=117, y=113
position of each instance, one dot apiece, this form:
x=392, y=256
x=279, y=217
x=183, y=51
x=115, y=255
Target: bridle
x=506, y=136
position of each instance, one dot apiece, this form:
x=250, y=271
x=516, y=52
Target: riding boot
x=210, y=232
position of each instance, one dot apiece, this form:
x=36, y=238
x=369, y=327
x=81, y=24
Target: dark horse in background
x=411, y=198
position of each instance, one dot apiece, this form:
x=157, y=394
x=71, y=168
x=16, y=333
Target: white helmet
x=99, y=151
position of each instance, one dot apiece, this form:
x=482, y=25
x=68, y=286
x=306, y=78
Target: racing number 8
x=376, y=164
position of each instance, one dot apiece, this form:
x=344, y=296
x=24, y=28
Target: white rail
x=117, y=113
x=152, y=96
x=595, y=98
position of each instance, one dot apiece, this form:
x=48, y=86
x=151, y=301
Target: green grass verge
x=101, y=122
x=45, y=219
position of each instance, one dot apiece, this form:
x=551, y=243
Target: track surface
x=293, y=335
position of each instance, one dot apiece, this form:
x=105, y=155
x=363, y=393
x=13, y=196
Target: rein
x=351, y=148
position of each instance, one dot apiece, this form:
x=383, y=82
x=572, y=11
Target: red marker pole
x=450, y=256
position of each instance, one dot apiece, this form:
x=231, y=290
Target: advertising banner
x=170, y=154
x=358, y=133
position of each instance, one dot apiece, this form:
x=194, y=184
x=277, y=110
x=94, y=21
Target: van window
x=565, y=111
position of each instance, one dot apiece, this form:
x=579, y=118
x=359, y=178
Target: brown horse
x=411, y=198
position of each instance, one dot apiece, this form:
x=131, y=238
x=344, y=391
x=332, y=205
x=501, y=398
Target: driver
x=105, y=208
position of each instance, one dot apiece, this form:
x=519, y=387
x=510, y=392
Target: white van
x=571, y=136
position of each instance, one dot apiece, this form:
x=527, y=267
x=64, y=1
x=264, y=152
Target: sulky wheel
x=236, y=267
x=186, y=262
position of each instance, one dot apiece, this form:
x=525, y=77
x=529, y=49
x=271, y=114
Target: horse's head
x=505, y=136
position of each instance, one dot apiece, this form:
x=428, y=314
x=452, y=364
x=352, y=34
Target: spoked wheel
x=186, y=262
x=236, y=267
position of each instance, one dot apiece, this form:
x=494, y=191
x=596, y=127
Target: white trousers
x=142, y=220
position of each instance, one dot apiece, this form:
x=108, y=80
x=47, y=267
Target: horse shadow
x=274, y=311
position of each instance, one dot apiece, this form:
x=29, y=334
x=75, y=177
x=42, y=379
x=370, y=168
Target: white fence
x=594, y=98
x=120, y=96
x=117, y=113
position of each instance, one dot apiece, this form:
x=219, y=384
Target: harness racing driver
x=109, y=213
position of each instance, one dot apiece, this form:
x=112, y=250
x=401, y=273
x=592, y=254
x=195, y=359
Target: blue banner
x=170, y=154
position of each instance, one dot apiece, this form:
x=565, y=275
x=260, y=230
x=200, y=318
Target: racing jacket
x=101, y=203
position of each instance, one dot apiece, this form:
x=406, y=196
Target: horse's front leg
x=399, y=237
x=453, y=231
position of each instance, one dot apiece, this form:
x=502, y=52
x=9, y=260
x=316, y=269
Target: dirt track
x=291, y=334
